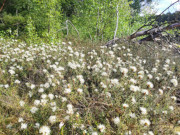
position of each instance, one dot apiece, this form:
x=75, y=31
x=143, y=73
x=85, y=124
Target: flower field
x=62, y=89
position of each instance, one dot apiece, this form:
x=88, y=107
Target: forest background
x=36, y=20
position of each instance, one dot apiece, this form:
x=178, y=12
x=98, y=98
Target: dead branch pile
x=154, y=32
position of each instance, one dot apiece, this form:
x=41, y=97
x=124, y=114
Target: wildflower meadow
x=65, y=89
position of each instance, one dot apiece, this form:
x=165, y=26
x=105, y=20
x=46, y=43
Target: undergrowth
x=67, y=89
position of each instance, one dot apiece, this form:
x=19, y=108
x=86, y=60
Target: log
x=154, y=30
x=152, y=33
x=150, y=37
x=112, y=42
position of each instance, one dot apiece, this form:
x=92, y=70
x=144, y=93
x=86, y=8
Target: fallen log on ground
x=152, y=34
x=154, y=30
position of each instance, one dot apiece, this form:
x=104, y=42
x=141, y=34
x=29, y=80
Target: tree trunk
x=2, y=5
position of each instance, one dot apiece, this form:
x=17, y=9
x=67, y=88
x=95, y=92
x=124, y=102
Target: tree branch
x=154, y=30
x=2, y=5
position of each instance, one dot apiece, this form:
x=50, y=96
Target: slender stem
x=117, y=21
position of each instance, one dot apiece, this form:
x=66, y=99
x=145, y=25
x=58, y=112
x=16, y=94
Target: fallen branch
x=150, y=37
x=112, y=42
x=154, y=30
x=66, y=28
x=152, y=33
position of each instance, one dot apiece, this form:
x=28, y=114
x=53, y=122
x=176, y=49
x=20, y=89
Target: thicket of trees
x=49, y=19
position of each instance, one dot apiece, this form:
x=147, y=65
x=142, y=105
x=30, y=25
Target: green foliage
x=31, y=31
x=45, y=17
x=137, y=4
x=94, y=19
x=97, y=19
x=10, y=23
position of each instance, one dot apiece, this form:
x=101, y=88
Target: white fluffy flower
x=41, y=90
x=70, y=109
x=150, y=85
x=20, y=119
x=108, y=95
x=134, y=69
x=132, y=81
x=43, y=96
x=171, y=108
x=116, y=120
x=134, y=88
x=174, y=98
x=132, y=115
x=22, y=103
x=157, y=78
x=174, y=82
x=160, y=92
x=141, y=73
x=145, y=92
x=101, y=127
x=104, y=74
x=80, y=78
x=145, y=122
x=52, y=119
x=51, y=96
x=34, y=109
x=167, y=61
x=23, y=126
x=115, y=81
x=45, y=130
x=103, y=85
x=32, y=86
x=61, y=124
x=64, y=99
x=43, y=102
x=164, y=112
x=80, y=91
x=124, y=70
x=154, y=70
x=149, y=76
x=17, y=82
x=133, y=100
x=143, y=110
x=72, y=65
x=94, y=133
x=47, y=85
x=37, y=125
x=36, y=102
x=125, y=105
x=140, y=76
x=150, y=133
x=12, y=72
x=67, y=91
x=6, y=86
